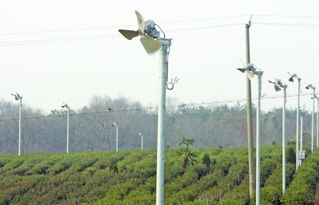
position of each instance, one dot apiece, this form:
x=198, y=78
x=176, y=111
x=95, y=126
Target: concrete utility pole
x=293, y=78
x=20, y=110
x=259, y=75
x=250, y=139
x=279, y=85
x=160, y=123
x=317, y=130
x=152, y=42
x=18, y=97
x=284, y=141
x=142, y=140
x=308, y=87
x=313, y=119
x=298, y=124
x=67, y=107
x=114, y=124
x=301, y=133
x=251, y=71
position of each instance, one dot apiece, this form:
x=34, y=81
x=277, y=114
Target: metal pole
x=284, y=142
x=19, y=143
x=297, y=126
x=313, y=119
x=317, y=122
x=160, y=124
x=117, y=137
x=67, y=130
x=142, y=142
x=258, y=141
x=250, y=140
x=301, y=133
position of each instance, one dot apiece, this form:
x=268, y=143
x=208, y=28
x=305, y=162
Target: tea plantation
x=218, y=176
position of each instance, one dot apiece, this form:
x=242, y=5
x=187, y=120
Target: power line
x=97, y=37
x=287, y=24
x=57, y=40
x=164, y=22
x=204, y=19
x=112, y=36
x=110, y=110
x=116, y=27
x=285, y=16
x=205, y=27
x=64, y=30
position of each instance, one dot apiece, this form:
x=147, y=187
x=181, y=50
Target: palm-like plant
x=188, y=154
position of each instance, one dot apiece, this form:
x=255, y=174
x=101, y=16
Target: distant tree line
x=91, y=129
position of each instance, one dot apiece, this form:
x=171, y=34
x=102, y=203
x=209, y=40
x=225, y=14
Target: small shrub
x=290, y=154
x=206, y=160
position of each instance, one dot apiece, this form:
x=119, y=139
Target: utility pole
x=114, y=124
x=301, y=133
x=308, y=87
x=20, y=110
x=293, y=78
x=313, y=119
x=250, y=139
x=259, y=75
x=160, y=122
x=18, y=97
x=298, y=124
x=142, y=140
x=317, y=121
x=284, y=141
x=67, y=107
x=279, y=85
x=152, y=41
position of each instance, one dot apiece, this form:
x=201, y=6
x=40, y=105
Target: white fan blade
x=250, y=74
x=128, y=34
x=277, y=88
x=150, y=45
x=140, y=21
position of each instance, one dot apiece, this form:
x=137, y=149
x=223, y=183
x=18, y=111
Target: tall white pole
x=313, y=119
x=142, y=142
x=116, y=137
x=20, y=110
x=259, y=75
x=297, y=125
x=317, y=122
x=250, y=138
x=160, y=123
x=284, y=142
x=67, y=129
x=301, y=133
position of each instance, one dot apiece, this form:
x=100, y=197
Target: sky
x=68, y=51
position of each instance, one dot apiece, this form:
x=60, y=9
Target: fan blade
x=271, y=82
x=291, y=79
x=250, y=74
x=277, y=88
x=129, y=34
x=241, y=69
x=150, y=45
x=140, y=21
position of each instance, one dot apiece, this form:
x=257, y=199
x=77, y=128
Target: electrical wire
x=116, y=27
x=287, y=24
x=58, y=40
x=113, y=36
x=150, y=108
x=205, y=27
x=284, y=16
x=106, y=36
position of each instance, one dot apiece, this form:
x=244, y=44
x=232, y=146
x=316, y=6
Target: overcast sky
x=67, y=51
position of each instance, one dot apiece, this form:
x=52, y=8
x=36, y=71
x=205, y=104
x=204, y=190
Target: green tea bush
x=303, y=186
